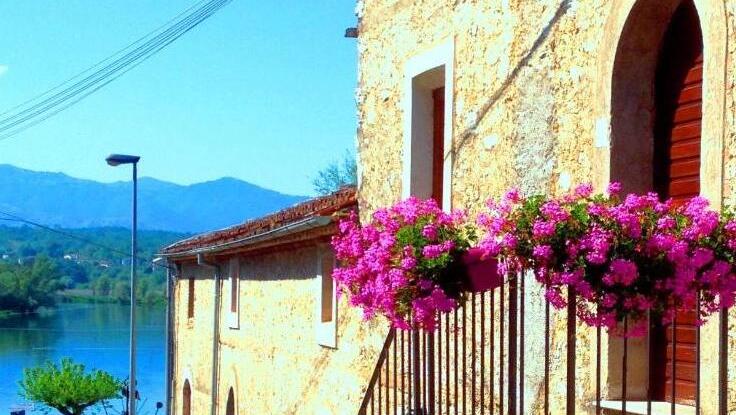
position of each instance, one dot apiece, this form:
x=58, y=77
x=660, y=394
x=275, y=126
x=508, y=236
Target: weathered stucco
x=272, y=360
x=536, y=106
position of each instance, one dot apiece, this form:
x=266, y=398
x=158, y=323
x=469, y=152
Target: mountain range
x=56, y=199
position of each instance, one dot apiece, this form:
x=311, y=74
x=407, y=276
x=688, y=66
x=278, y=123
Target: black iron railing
x=476, y=363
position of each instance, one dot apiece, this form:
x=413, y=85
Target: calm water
x=93, y=334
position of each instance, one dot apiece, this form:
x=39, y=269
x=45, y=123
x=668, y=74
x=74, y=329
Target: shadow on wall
x=523, y=62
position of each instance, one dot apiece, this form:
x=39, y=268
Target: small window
x=328, y=289
x=233, y=293
x=427, y=104
x=190, y=299
x=326, y=313
x=233, y=318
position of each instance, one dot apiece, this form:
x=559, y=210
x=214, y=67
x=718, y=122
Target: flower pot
x=482, y=273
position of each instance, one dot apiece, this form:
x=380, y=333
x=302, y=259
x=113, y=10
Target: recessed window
x=190, y=298
x=233, y=316
x=326, y=312
x=328, y=289
x=427, y=107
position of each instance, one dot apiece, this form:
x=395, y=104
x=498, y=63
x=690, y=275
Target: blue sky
x=262, y=91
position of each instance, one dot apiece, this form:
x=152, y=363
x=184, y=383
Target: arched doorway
x=186, y=399
x=230, y=407
x=678, y=91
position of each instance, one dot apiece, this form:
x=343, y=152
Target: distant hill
x=59, y=200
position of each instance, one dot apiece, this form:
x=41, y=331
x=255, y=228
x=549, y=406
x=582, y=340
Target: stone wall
x=533, y=108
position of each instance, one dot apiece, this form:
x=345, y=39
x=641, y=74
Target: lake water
x=96, y=335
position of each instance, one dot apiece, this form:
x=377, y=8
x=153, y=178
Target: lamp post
x=116, y=160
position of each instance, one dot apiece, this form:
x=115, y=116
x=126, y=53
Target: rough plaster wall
x=729, y=183
x=194, y=339
x=272, y=361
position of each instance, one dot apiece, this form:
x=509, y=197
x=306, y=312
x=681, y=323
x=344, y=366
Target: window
x=427, y=106
x=233, y=318
x=326, y=313
x=438, y=143
x=230, y=407
x=328, y=289
x=186, y=404
x=190, y=298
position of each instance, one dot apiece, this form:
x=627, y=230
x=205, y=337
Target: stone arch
x=624, y=137
x=625, y=101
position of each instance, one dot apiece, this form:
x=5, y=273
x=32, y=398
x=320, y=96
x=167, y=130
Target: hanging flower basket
x=481, y=271
x=625, y=258
x=407, y=263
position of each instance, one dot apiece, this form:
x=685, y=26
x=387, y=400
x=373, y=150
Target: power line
x=140, y=39
x=19, y=121
x=10, y=217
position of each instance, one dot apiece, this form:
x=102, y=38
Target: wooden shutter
x=234, y=290
x=678, y=91
x=438, y=143
x=190, y=298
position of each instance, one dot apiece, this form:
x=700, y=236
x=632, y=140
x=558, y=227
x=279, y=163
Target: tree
x=68, y=388
x=102, y=286
x=121, y=292
x=336, y=175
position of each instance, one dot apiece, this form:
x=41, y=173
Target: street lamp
x=116, y=160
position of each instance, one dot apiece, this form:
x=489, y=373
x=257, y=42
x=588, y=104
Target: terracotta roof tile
x=320, y=206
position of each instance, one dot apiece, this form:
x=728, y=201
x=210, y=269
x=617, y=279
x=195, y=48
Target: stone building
x=461, y=100
x=255, y=324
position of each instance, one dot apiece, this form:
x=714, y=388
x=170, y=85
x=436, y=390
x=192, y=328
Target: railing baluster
x=396, y=384
x=439, y=364
x=416, y=367
x=455, y=360
x=493, y=346
x=447, y=363
x=501, y=313
x=472, y=354
x=624, y=365
x=697, y=354
x=649, y=369
x=379, y=390
x=546, y=356
x=482, y=350
x=598, y=370
x=513, y=332
x=673, y=362
x=521, y=345
x=723, y=362
x=465, y=353
x=430, y=374
x=388, y=383
x=403, y=374
x=571, y=342
x=423, y=358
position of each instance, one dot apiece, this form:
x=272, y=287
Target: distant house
x=71, y=257
x=255, y=325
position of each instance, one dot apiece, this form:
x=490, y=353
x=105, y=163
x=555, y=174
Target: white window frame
x=326, y=332
x=233, y=317
x=414, y=104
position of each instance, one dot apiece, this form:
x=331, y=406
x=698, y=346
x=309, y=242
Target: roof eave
x=285, y=230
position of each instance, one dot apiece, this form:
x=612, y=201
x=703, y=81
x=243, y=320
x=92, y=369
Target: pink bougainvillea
x=403, y=263
x=623, y=258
